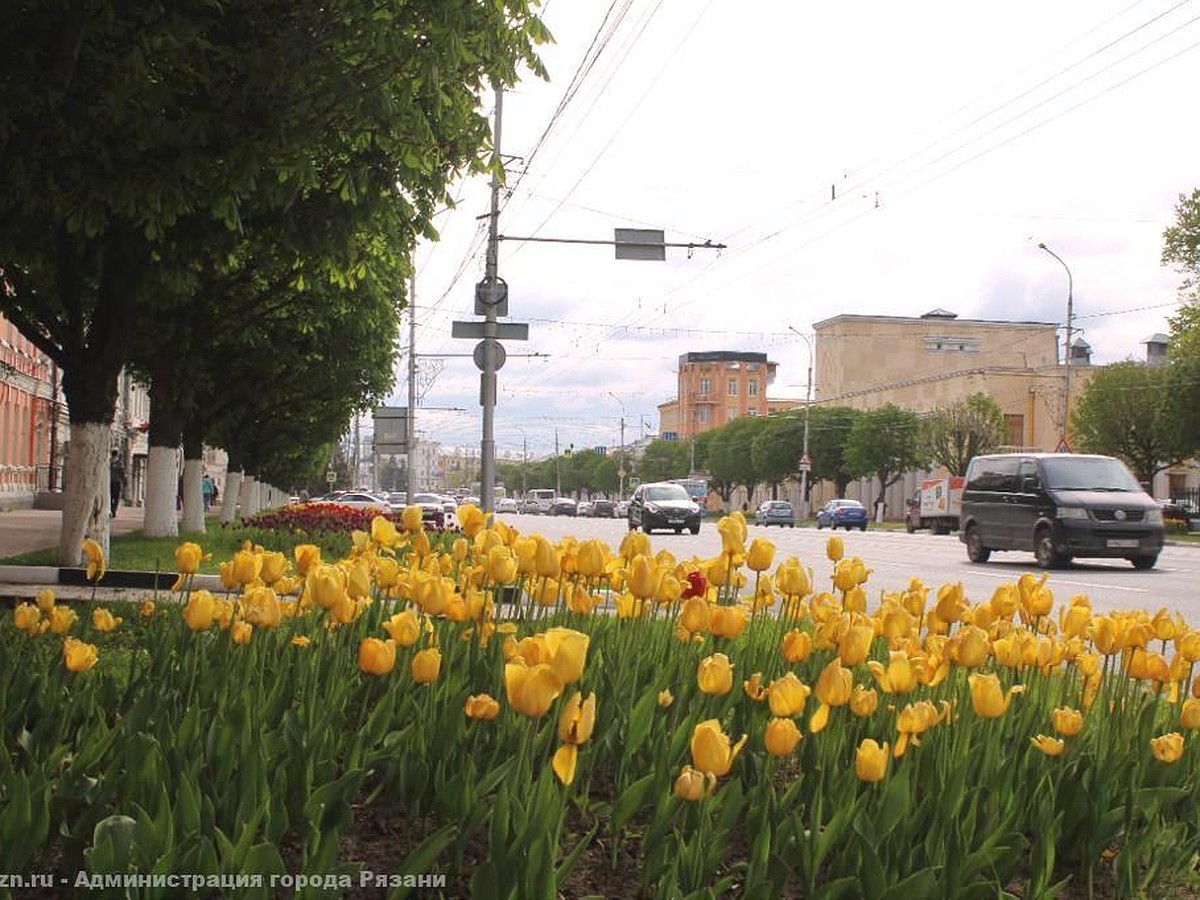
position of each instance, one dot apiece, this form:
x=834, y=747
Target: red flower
x=697, y=586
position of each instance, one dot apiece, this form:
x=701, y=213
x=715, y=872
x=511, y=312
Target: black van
x=1059, y=505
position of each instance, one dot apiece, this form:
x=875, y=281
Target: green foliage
x=664, y=460
x=1126, y=411
x=953, y=435
x=730, y=459
x=829, y=429
x=777, y=448
x=886, y=443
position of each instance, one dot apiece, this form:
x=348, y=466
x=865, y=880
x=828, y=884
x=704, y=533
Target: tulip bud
x=871, y=761
x=240, y=632
x=78, y=656
x=1067, y=722
x=1167, y=748
x=376, y=657
x=693, y=784
x=834, y=549
x=714, y=675
x=481, y=706
x=781, y=736
x=426, y=664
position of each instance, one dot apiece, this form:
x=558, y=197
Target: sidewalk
x=26, y=530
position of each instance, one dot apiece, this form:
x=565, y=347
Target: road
x=895, y=556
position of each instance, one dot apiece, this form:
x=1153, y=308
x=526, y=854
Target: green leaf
x=640, y=720
x=424, y=857
x=919, y=884
x=631, y=800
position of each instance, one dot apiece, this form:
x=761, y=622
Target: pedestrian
x=208, y=488
x=116, y=480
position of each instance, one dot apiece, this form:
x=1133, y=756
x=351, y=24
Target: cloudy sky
x=860, y=157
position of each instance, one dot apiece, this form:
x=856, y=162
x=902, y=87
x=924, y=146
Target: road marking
x=1053, y=582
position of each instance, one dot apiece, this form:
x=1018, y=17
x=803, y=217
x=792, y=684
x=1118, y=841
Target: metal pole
x=621, y=458
x=410, y=439
x=805, y=465
x=487, y=380
x=1067, y=356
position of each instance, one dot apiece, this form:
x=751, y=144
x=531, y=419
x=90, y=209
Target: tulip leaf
x=187, y=809
x=896, y=802
x=870, y=867
x=485, y=881
x=263, y=858
x=631, y=800
x=425, y=856
x=568, y=863
x=919, y=884
x=640, y=719
x=847, y=887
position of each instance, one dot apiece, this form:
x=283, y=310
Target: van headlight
x=1072, y=512
x=1154, y=516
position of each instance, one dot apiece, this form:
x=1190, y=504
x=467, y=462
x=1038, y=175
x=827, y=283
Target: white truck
x=937, y=505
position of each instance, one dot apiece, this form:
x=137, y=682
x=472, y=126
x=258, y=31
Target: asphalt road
x=895, y=556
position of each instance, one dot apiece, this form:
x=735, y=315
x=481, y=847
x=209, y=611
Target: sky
x=860, y=157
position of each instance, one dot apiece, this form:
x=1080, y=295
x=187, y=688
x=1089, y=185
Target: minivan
x=1060, y=506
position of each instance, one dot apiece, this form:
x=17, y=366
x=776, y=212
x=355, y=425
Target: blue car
x=843, y=514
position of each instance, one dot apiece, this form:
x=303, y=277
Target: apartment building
x=28, y=383
x=714, y=387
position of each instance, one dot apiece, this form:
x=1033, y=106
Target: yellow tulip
x=971, y=647
x=147, y=609
x=711, y=750
x=358, y=580
x=760, y=555
x=103, y=620
x=1067, y=722
x=426, y=665
x=376, y=657
x=1049, y=745
x=404, y=628
x=781, y=736
x=566, y=652
x=45, y=600
x=531, y=689
x=78, y=656
x=727, y=621
x=326, y=586
x=481, y=706
x=898, y=677
x=96, y=565
x=563, y=763
x=871, y=761
x=1189, y=714
x=834, y=549
x=240, y=631
x=635, y=543
x=988, y=699
x=246, y=566
x=308, y=557
x=590, y=558
x=693, y=785
x=1167, y=748
x=950, y=604
x=695, y=615
x=1074, y=620
x=787, y=695
x=754, y=689
x=577, y=720
x=855, y=644
x=274, y=565
x=643, y=578
x=714, y=675
x=833, y=688
x=863, y=701
x=200, y=611
x=262, y=607
x=732, y=529
x=501, y=564
x=665, y=698
x=797, y=646
x=547, y=561
x=26, y=617
x=300, y=640
x=471, y=519
x=188, y=556
x=410, y=518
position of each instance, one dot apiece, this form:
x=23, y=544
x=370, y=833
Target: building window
x=705, y=387
x=732, y=387
x=731, y=414
x=752, y=411
x=1014, y=424
x=752, y=367
x=752, y=388
x=703, y=415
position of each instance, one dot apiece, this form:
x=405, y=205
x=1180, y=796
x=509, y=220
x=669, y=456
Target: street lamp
x=805, y=461
x=1067, y=356
x=621, y=459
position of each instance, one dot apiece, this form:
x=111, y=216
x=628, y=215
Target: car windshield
x=660, y=493
x=426, y=498
x=1088, y=473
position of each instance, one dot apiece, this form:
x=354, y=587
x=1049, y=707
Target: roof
x=1158, y=338
x=723, y=356
x=944, y=321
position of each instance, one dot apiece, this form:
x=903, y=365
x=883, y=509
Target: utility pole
x=1067, y=355
x=805, y=459
x=557, y=468
x=621, y=458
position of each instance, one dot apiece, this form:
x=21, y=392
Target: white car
x=506, y=505
x=359, y=500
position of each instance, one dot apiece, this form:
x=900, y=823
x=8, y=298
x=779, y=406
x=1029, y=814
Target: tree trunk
x=193, y=496
x=162, y=491
x=85, y=492
x=247, y=496
x=230, y=494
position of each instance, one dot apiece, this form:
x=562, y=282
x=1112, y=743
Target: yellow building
x=714, y=388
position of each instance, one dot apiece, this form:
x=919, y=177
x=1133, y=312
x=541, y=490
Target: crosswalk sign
x=1063, y=446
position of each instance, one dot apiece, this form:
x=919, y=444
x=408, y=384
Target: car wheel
x=863, y=527
x=695, y=529
x=910, y=527
x=679, y=531
x=1142, y=563
x=1043, y=548
x=632, y=527
x=976, y=552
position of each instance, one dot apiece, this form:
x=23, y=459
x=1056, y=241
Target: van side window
x=994, y=473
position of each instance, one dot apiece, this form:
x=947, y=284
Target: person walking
x=116, y=481
x=208, y=488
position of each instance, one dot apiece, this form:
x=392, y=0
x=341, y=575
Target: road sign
x=391, y=429
x=505, y=331
x=1063, y=446
x=331, y=476
x=640, y=243
x=806, y=460
x=498, y=354
x=491, y=294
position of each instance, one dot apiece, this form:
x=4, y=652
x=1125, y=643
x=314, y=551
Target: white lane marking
x=1053, y=582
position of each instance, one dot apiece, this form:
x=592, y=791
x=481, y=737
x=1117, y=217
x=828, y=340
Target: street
x=895, y=556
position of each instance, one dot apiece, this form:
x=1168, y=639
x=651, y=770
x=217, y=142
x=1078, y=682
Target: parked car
x=359, y=500
x=663, y=505
x=506, y=505
x=1060, y=506
x=397, y=500
x=775, y=512
x=433, y=510
x=843, y=514
x=564, y=506
x=604, y=509
x=539, y=502
x=583, y=508
x=621, y=510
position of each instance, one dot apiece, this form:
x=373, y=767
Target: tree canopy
x=953, y=435
x=886, y=443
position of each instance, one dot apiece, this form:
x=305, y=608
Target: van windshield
x=1088, y=473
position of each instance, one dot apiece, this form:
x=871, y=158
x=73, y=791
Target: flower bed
x=664, y=726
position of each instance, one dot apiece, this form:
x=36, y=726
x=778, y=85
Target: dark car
x=604, y=509
x=775, y=512
x=843, y=514
x=663, y=505
x=564, y=506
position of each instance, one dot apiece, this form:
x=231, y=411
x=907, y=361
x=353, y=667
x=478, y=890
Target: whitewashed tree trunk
x=193, y=496
x=247, y=495
x=85, y=492
x=229, y=496
x=162, y=490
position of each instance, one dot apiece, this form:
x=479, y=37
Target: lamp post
x=621, y=459
x=1067, y=355
x=805, y=462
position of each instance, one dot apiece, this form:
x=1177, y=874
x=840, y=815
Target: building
x=714, y=388
x=28, y=420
